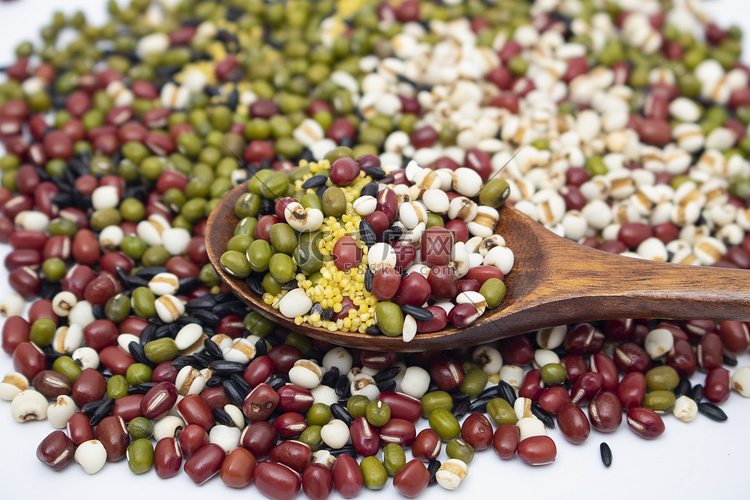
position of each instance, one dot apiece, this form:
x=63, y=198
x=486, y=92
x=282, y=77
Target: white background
x=702, y=459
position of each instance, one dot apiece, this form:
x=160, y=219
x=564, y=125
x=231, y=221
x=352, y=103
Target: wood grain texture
x=554, y=282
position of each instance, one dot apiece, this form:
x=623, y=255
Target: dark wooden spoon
x=555, y=281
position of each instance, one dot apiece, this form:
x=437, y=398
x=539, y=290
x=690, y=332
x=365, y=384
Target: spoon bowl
x=554, y=281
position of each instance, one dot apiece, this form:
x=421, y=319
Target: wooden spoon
x=555, y=281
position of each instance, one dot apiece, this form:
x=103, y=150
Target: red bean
x=115, y=359
x=100, y=334
x=654, y=132
x=517, y=350
x=86, y=184
x=424, y=137
x=277, y=481
x=479, y=161
x=467, y=285
x=677, y=332
x=682, y=358
x=447, y=373
x=18, y=204
x=258, y=371
x=532, y=385
x=584, y=338
x=402, y=406
x=553, y=398
x=58, y=145
x=57, y=247
x=164, y=372
x=56, y=450
x=613, y=246
x=605, y=412
x=645, y=422
x=346, y=253
x=167, y=458
x=632, y=390
x=427, y=445
x=412, y=479
x=734, y=335
x=631, y=357
x=25, y=281
x=438, y=322
x=476, y=430
x=205, y=463
x=237, y=469
x=113, y=434
x=617, y=329
x=293, y=398
x=505, y=441
x=23, y=257
x=42, y=309
x=14, y=108
x=7, y=227
x=343, y=171
x=340, y=129
x=128, y=407
x=158, y=400
x=634, y=233
x=377, y=360
x=385, y=283
x=260, y=402
x=194, y=410
x=480, y=274
x=51, y=384
x=575, y=365
x=24, y=239
x=739, y=97
x=79, y=428
x=459, y=230
x=347, y=476
x=192, y=438
x=656, y=106
x=463, y=315
x=109, y=263
x=15, y=331
x=739, y=257
x=387, y=203
x=537, y=450
x=317, y=482
x=573, y=423
x=576, y=67
x=263, y=108
x=406, y=253
x=379, y=222
x=666, y=232
x=259, y=438
x=290, y=424
x=364, y=437
x=398, y=431
x=506, y=100
x=78, y=103
x=605, y=366
x=435, y=246
x=717, y=385
x=442, y=282
x=585, y=387
x=284, y=356
x=294, y=454
x=29, y=360
x=709, y=352
x=263, y=227
x=699, y=327
x=85, y=247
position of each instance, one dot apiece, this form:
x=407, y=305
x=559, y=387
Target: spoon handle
x=610, y=286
